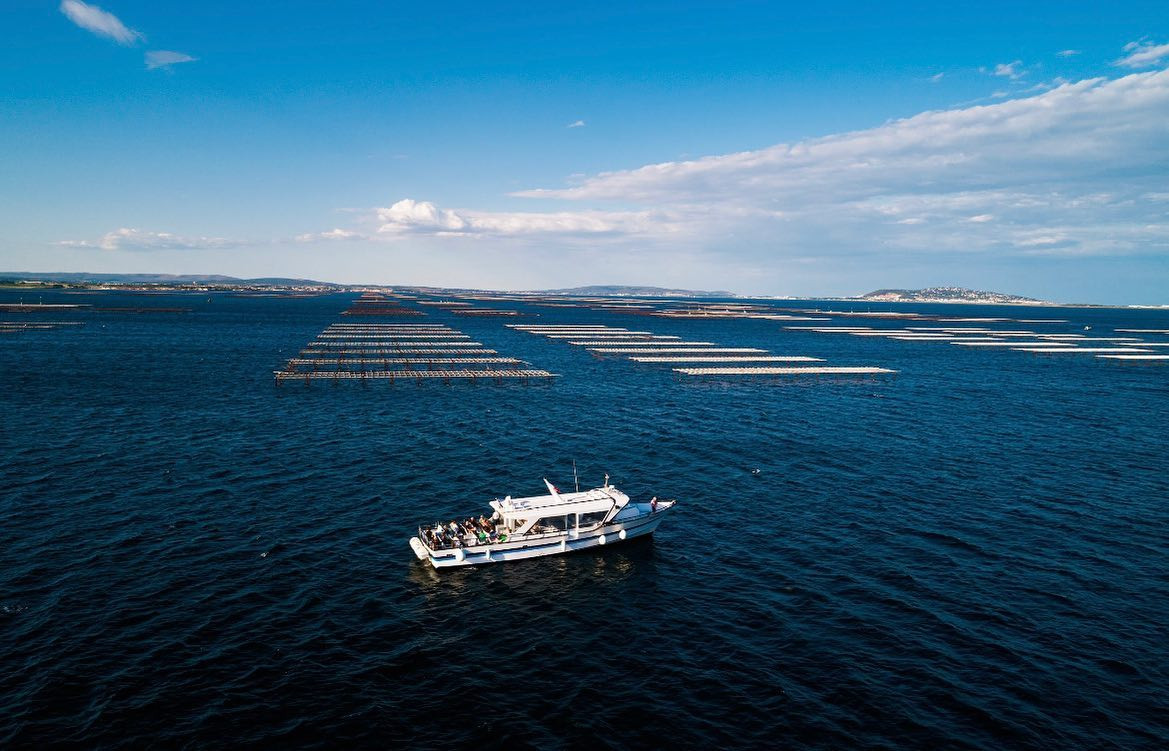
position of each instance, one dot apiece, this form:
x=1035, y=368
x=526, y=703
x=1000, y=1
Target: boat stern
x=419, y=549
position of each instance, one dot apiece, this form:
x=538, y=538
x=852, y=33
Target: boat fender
x=601, y=540
x=621, y=534
x=488, y=556
x=563, y=545
x=460, y=555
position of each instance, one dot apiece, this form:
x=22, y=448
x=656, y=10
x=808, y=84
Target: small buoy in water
x=755, y=471
x=264, y=554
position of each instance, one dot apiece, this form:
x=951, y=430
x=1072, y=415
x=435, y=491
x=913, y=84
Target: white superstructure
x=539, y=525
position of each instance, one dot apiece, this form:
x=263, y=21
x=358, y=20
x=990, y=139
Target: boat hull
x=520, y=549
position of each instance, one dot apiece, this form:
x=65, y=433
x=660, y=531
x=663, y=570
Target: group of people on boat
x=456, y=534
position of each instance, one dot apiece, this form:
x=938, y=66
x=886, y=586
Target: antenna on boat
x=606, y=479
x=574, y=477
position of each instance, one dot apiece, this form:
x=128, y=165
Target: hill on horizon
x=944, y=294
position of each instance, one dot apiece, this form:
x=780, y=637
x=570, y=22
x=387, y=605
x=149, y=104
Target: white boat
x=540, y=525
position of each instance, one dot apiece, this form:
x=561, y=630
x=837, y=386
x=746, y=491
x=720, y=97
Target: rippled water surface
x=973, y=553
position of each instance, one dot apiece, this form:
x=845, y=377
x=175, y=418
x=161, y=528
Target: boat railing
x=461, y=541
x=475, y=542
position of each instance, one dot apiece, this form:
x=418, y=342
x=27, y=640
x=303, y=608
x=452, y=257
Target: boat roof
x=586, y=501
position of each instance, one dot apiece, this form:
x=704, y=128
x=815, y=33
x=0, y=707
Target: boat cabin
x=559, y=513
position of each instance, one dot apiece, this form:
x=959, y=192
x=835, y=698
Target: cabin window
x=593, y=519
x=553, y=524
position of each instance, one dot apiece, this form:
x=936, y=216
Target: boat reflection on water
x=569, y=576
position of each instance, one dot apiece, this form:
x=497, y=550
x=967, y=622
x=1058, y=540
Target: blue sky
x=755, y=146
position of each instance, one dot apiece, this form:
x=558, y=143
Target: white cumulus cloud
x=576, y=124
x=100, y=22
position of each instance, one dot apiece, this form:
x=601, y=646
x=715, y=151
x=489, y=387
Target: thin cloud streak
x=100, y=22
x=1143, y=54
x=166, y=58
x=331, y=236
x=127, y=238
x=424, y=218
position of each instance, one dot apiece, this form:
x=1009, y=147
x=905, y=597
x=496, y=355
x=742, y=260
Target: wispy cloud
x=106, y=24
x=331, y=235
x=1061, y=131
x=1020, y=178
x=100, y=22
x=1026, y=163
x=935, y=78
x=127, y=238
x=1143, y=54
x=166, y=58
x=576, y=124
x=1011, y=70
x=1068, y=53
x=423, y=217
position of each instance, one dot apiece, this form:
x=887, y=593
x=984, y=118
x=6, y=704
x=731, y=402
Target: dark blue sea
x=972, y=553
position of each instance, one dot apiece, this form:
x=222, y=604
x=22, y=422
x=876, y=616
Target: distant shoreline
x=81, y=281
